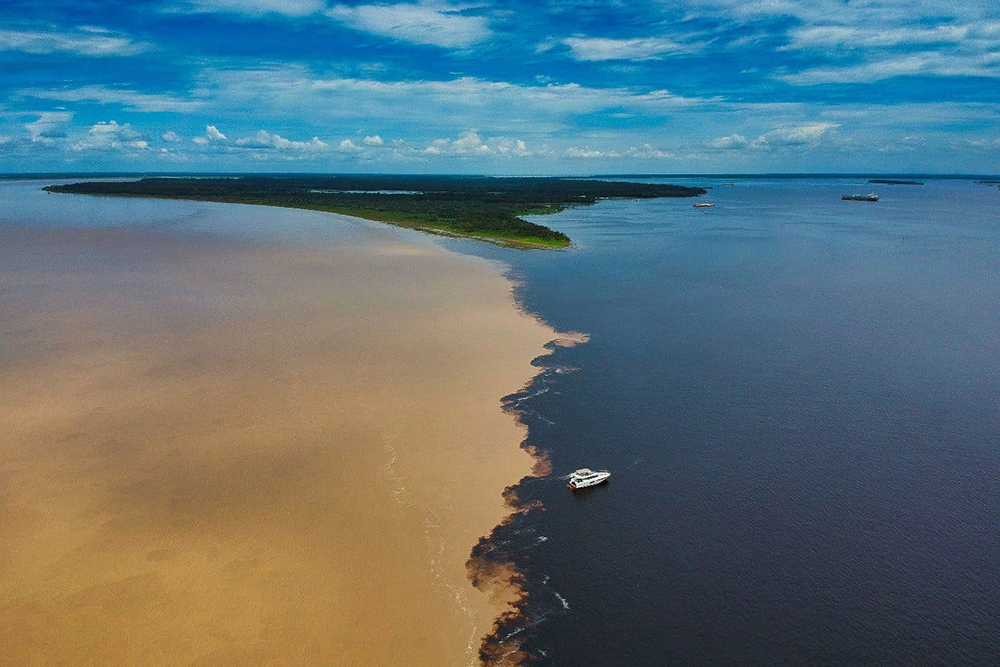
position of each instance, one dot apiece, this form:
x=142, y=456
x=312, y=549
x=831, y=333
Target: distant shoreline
x=4, y=176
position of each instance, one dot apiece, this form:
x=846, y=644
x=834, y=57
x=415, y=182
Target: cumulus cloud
x=600, y=48
x=430, y=23
x=732, y=142
x=470, y=144
x=86, y=41
x=585, y=153
x=212, y=132
x=111, y=136
x=172, y=137
x=264, y=139
x=794, y=135
x=211, y=136
x=512, y=147
x=348, y=146
x=373, y=140
x=49, y=127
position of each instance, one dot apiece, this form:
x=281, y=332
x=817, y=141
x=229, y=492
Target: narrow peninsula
x=489, y=208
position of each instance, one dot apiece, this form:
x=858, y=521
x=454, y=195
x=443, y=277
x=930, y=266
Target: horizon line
x=827, y=174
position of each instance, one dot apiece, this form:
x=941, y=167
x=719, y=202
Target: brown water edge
x=218, y=451
x=491, y=566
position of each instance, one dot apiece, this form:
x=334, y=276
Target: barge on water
x=871, y=196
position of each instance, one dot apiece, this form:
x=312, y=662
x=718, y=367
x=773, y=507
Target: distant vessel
x=704, y=205
x=871, y=196
x=585, y=477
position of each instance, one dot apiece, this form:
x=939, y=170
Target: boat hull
x=576, y=485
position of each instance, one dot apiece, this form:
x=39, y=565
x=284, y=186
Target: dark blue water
x=799, y=399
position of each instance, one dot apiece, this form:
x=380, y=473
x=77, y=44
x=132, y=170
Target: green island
x=487, y=208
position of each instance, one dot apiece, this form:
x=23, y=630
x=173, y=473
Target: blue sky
x=522, y=86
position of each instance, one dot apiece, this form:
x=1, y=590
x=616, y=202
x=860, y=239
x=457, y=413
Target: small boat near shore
x=703, y=205
x=871, y=196
x=585, y=477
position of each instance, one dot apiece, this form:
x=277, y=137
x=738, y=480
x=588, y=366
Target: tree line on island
x=478, y=206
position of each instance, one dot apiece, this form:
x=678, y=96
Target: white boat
x=704, y=205
x=585, y=477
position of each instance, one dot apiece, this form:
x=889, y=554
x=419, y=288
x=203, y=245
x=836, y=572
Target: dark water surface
x=798, y=398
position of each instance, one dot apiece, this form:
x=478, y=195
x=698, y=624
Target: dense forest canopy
x=480, y=206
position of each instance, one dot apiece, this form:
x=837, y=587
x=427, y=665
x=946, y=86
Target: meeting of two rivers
x=249, y=435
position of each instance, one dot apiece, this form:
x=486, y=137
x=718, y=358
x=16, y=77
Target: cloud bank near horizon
x=513, y=87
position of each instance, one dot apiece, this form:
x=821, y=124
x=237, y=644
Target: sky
x=513, y=87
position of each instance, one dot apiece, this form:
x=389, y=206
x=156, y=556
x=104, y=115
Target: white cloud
x=644, y=152
x=512, y=147
x=492, y=106
x=648, y=152
x=797, y=135
x=264, y=139
x=927, y=63
x=435, y=24
x=85, y=41
x=348, y=146
x=600, y=48
x=111, y=136
x=49, y=127
x=212, y=135
x=373, y=140
x=874, y=40
x=471, y=144
x=859, y=12
x=251, y=7
x=128, y=99
x=212, y=132
x=586, y=153
x=983, y=34
x=793, y=135
x=172, y=137
x=732, y=142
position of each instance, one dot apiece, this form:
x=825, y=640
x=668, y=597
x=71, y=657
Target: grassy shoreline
x=482, y=208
